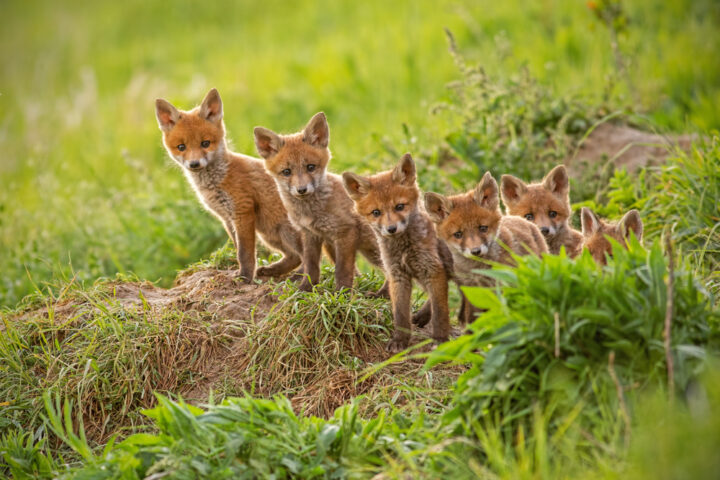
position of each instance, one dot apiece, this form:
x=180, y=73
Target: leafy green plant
x=511, y=123
x=560, y=331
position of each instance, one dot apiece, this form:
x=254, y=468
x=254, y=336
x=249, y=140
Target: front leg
x=244, y=226
x=400, y=292
x=345, y=251
x=438, y=291
x=230, y=231
x=312, y=249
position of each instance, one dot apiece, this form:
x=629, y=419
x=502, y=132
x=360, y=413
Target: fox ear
x=167, y=115
x=437, y=206
x=404, y=172
x=486, y=193
x=268, y=143
x=317, y=131
x=211, y=107
x=357, y=187
x=631, y=221
x=511, y=189
x=557, y=181
x=590, y=223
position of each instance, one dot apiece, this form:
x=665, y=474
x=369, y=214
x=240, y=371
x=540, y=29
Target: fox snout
x=479, y=251
x=393, y=229
x=301, y=191
x=548, y=230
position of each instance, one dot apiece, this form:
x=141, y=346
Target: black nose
x=392, y=229
x=194, y=164
x=476, y=251
x=544, y=230
x=302, y=191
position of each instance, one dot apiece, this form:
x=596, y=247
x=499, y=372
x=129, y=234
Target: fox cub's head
x=469, y=222
x=388, y=200
x=546, y=204
x=196, y=138
x=298, y=162
x=596, y=231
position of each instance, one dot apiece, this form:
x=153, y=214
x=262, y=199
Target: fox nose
x=476, y=251
x=544, y=230
x=302, y=191
x=392, y=229
x=195, y=164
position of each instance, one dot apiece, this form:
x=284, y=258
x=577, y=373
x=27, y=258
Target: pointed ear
x=590, y=223
x=511, y=189
x=557, y=181
x=211, y=107
x=317, y=131
x=631, y=221
x=404, y=172
x=486, y=193
x=437, y=206
x=167, y=115
x=357, y=187
x=268, y=143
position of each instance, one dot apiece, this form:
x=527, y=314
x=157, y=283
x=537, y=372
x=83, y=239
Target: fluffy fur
x=388, y=201
x=547, y=205
x=596, y=232
x=234, y=187
x=316, y=201
x=477, y=233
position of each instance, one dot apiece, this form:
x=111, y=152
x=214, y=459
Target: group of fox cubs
x=301, y=209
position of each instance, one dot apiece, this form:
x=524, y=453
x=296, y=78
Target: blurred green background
x=87, y=190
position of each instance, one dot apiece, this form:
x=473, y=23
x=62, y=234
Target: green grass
x=88, y=191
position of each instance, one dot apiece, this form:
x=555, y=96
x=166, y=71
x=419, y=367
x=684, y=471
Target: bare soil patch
x=624, y=146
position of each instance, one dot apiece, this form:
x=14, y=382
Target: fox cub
x=473, y=227
x=595, y=230
x=316, y=201
x=547, y=205
x=232, y=186
x=410, y=247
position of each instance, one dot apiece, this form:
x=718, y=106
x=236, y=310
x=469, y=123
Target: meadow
x=573, y=372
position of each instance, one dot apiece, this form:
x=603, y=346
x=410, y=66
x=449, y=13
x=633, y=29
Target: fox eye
x=552, y=214
x=311, y=167
x=457, y=234
x=205, y=143
x=181, y=147
x=483, y=228
x=376, y=213
x=529, y=217
x=399, y=207
x=286, y=172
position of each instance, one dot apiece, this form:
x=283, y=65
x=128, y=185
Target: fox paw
x=384, y=292
x=305, y=286
x=398, y=343
x=422, y=316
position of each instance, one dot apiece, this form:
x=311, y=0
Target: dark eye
x=529, y=217
x=181, y=147
x=286, y=172
x=205, y=143
x=552, y=214
x=483, y=228
x=399, y=207
x=311, y=167
x=457, y=234
x=376, y=213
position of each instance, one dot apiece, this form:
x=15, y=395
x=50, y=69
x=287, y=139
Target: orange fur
x=477, y=233
x=547, y=205
x=316, y=201
x=234, y=187
x=595, y=232
x=409, y=244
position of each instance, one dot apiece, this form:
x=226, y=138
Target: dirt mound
x=624, y=146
